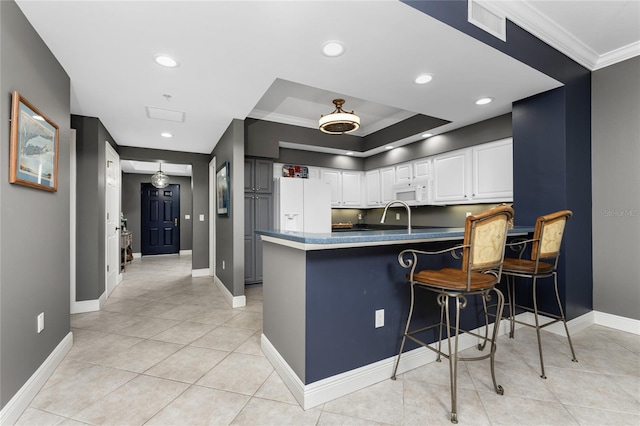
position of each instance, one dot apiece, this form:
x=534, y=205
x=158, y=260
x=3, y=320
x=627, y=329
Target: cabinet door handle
x=175, y=221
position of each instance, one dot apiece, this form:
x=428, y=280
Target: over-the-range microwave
x=417, y=192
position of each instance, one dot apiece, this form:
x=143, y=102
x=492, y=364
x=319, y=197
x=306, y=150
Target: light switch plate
x=201, y=218
x=187, y=216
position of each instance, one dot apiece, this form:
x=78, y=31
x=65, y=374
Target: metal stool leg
x=406, y=331
x=564, y=321
x=453, y=357
x=496, y=330
x=535, y=313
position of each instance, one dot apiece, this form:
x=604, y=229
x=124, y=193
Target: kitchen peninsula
x=320, y=297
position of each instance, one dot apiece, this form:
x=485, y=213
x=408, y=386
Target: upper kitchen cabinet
x=483, y=173
x=404, y=173
x=493, y=171
x=422, y=169
x=379, y=186
x=258, y=175
x=346, y=187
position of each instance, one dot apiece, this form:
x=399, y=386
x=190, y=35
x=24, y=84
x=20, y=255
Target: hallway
x=168, y=350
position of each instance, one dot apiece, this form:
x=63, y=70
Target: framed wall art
x=34, y=146
x=223, y=195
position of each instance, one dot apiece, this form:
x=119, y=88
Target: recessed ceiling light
x=484, y=101
x=166, y=135
x=423, y=79
x=426, y=135
x=349, y=153
x=388, y=147
x=332, y=48
x=166, y=61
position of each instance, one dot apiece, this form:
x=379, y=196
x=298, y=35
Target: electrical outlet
x=187, y=216
x=380, y=318
x=397, y=216
x=201, y=218
x=223, y=264
x=40, y=322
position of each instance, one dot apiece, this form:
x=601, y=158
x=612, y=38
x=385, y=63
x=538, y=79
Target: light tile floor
x=168, y=350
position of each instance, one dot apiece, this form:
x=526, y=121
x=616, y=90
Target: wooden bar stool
x=543, y=263
x=482, y=256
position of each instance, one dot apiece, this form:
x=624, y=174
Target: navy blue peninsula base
x=320, y=297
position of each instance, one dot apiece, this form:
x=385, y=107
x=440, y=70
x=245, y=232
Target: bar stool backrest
x=547, y=235
x=485, y=235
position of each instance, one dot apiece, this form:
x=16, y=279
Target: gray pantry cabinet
x=258, y=213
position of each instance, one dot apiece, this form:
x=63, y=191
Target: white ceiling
x=262, y=59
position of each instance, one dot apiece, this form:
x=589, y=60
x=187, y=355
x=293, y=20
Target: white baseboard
x=619, y=323
x=185, y=252
x=11, y=412
x=322, y=391
x=234, y=301
x=82, y=306
x=137, y=255
x=204, y=272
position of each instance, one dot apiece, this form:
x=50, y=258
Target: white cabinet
x=379, y=186
x=346, y=187
x=422, y=169
x=452, y=176
x=404, y=173
x=351, y=189
x=483, y=173
x=493, y=171
x=333, y=178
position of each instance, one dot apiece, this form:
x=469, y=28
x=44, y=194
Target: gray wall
x=131, y=207
x=34, y=224
x=200, y=193
x=616, y=188
x=229, y=230
x=91, y=140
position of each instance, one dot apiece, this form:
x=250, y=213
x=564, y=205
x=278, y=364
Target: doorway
x=160, y=219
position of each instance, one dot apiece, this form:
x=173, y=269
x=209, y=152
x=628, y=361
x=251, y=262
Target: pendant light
x=159, y=179
x=339, y=121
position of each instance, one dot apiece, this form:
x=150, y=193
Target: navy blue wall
x=552, y=146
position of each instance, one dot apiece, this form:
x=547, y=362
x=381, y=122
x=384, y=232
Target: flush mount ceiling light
x=339, y=121
x=166, y=61
x=484, y=101
x=166, y=135
x=159, y=179
x=332, y=48
x=423, y=79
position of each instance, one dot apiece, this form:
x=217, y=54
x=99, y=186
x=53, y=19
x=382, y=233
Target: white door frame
x=212, y=218
x=112, y=162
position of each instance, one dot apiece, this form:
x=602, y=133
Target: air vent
x=483, y=17
x=165, y=114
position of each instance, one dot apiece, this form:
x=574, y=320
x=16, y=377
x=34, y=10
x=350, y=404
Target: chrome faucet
x=406, y=206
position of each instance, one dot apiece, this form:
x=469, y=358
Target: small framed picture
x=223, y=195
x=34, y=146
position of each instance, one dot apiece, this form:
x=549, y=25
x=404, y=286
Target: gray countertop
x=310, y=241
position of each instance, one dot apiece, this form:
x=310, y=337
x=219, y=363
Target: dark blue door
x=160, y=219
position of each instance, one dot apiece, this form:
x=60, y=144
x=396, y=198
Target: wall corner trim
x=82, y=306
x=234, y=301
x=21, y=400
x=195, y=273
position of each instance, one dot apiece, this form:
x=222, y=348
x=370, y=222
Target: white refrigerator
x=302, y=205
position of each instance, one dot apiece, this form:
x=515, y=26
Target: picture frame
x=223, y=193
x=34, y=146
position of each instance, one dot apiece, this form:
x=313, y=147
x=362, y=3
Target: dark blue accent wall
x=552, y=146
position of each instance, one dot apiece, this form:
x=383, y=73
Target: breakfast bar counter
x=320, y=297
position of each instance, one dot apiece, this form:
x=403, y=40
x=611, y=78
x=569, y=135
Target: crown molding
x=530, y=19
x=621, y=54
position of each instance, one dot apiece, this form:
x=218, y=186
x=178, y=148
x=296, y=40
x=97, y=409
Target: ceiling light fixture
x=426, y=135
x=339, y=121
x=388, y=147
x=166, y=61
x=332, y=48
x=349, y=153
x=484, y=101
x=166, y=135
x=159, y=179
x=423, y=79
